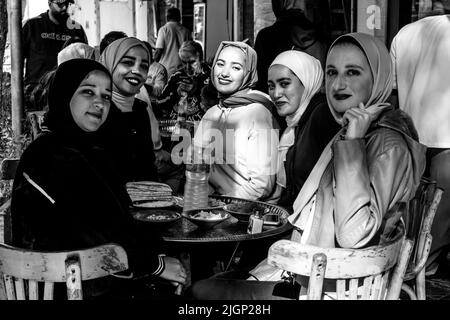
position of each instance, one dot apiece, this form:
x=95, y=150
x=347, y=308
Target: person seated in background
x=209, y=97
x=128, y=130
x=371, y=165
x=67, y=195
x=294, y=81
x=243, y=164
x=186, y=82
x=157, y=76
x=77, y=50
x=109, y=38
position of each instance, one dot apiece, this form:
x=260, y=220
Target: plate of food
x=157, y=216
x=212, y=203
x=206, y=218
x=242, y=211
x=151, y=204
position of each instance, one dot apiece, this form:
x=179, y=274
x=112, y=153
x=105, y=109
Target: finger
x=361, y=106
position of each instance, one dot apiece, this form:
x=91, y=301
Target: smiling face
x=285, y=89
x=90, y=103
x=229, y=70
x=131, y=72
x=348, y=79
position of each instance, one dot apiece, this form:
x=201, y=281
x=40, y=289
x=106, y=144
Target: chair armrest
x=424, y=256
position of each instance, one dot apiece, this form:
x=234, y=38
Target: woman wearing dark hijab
x=66, y=195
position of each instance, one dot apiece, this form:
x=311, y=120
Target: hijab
x=382, y=72
x=309, y=71
x=111, y=57
x=243, y=95
x=76, y=50
x=66, y=81
x=380, y=64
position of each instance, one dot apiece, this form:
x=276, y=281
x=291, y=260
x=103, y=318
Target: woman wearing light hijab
x=373, y=163
x=245, y=163
x=128, y=129
x=294, y=82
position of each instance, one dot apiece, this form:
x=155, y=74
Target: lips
x=133, y=81
x=223, y=81
x=95, y=115
x=341, y=96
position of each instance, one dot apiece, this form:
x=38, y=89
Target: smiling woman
x=127, y=131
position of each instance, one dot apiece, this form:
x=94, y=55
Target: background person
x=169, y=40
x=43, y=38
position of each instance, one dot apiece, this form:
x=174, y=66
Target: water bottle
x=196, y=188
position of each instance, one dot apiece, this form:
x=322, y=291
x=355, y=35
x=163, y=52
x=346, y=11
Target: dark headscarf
x=66, y=81
x=242, y=96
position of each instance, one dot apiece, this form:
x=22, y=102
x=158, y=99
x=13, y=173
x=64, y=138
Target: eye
x=284, y=84
x=237, y=68
x=331, y=72
x=270, y=86
x=219, y=64
x=106, y=97
x=353, y=72
x=127, y=62
x=88, y=92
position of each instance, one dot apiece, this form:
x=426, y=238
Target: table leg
x=232, y=256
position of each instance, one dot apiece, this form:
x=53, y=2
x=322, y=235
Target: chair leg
x=409, y=291
x=420, y=285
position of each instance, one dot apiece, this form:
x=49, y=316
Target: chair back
x=8, y=168
x=22, y=270
x=345, y=274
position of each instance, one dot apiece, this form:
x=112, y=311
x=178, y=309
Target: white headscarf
x=309, y=71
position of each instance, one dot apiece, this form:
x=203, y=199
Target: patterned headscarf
x=243, y=96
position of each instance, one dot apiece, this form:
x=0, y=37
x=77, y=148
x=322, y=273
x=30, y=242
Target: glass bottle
x=196, y=188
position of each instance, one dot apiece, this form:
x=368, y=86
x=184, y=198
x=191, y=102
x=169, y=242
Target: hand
x=173, y=271
x=162, y=156
x=358, y=121
x=185, y=86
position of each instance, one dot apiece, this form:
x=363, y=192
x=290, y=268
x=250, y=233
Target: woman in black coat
x=67, y=195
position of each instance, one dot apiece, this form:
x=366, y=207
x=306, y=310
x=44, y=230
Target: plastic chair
x=422, y=209
x=22, y=270
x=374, y=273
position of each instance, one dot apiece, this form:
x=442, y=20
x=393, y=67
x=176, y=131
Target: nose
x=339, y=83
x=277, y=92
x=225, y=72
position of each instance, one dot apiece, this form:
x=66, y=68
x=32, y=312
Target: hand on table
x=173, y=271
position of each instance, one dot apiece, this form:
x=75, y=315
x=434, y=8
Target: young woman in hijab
x=294, y=82
x=244, y=165
x=67, y=195
x=373, y=163
x=128, y=129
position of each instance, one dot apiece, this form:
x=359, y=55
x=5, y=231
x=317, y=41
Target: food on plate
x=161, y=216
x=154, y=204
x=149, y=194
x=208, y=215
x=248, y=207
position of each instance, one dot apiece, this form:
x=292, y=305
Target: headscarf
x=76, y=50
x=309, y=71
x=66, y=81
x=382, y=72
x=111, y=57
x=243, y=96
x=380, y=64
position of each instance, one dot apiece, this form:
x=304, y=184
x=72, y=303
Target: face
x=285, y=89
x=348, y=79
x=59, y=10
x=191, y=63
x=229, y=70
x=91, y=101
x=131, y=72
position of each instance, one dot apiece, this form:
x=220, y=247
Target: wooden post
x=15, y=19
x=133, y=12
x=97, y=21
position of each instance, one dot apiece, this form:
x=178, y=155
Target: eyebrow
x=134, y=58
x=353, y=66
x=233, y=62
x=92, y=86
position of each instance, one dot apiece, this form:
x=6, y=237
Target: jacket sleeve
x=364, y=190
x=262, y=146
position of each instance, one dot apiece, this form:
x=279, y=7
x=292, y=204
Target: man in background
x=170, y=38
x=42, y=39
